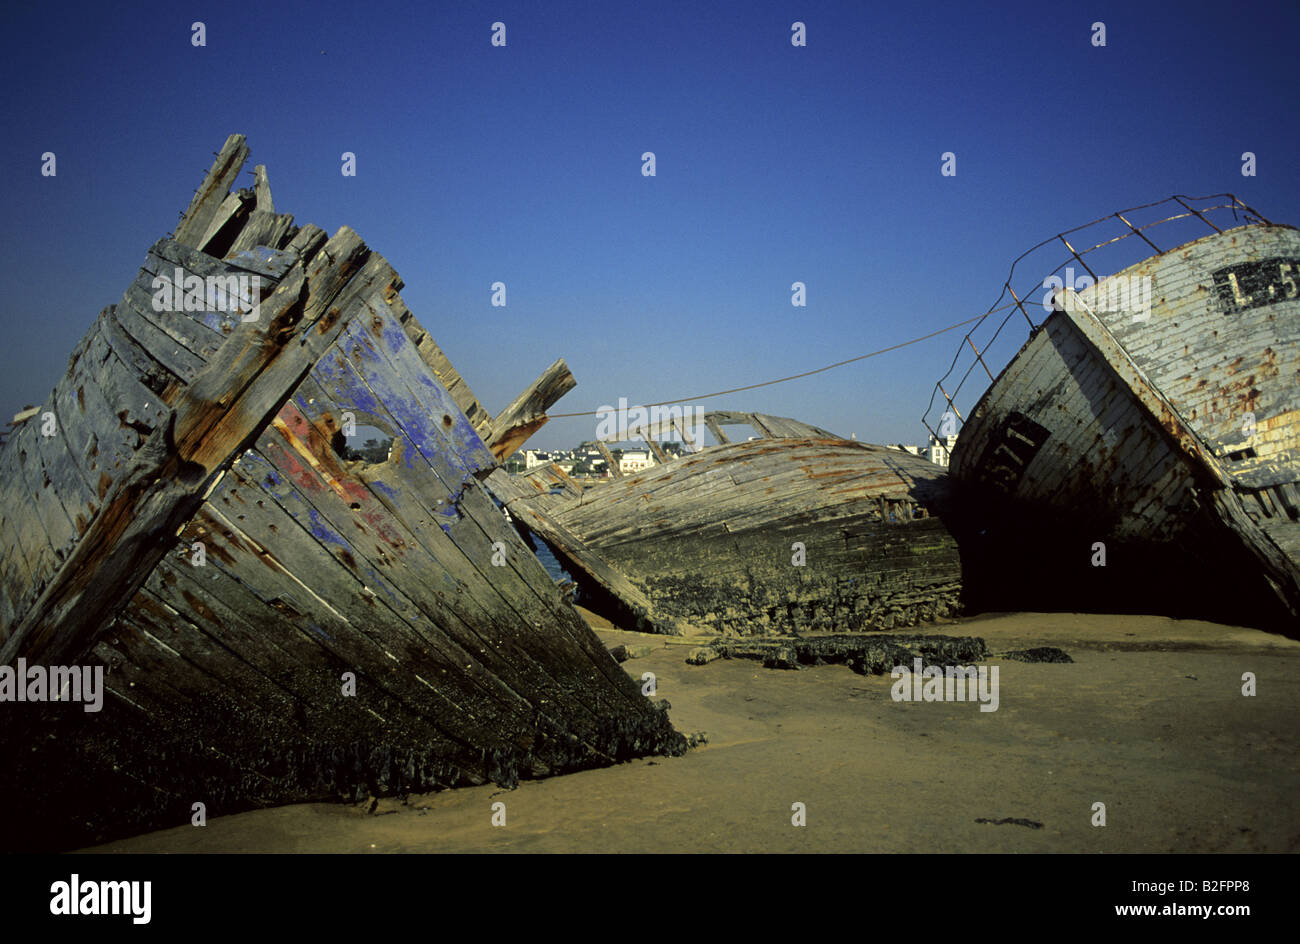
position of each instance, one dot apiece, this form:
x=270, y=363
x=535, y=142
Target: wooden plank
x=231, y=216
x=102, y=447
x=64, y=481
x=262, y=188
x=208, y=198
x=777, y=427
x=763, y=430
x=393, y=378
x=271, y=264
x=175, y=357
x=30, y=520
x=609, y=459
x=717, y=489
x=59, y=532
x=197, y=666
x=299, y=658
x=15, y=560
x=134, y=404
x=218, y=607
x=220, y=715
x=679, y=424
x=638, y=613
x=301, y=665
x=527, y=412
x=1152, y=399
x=264, y=229
x=203, y=330
x=548, y=476
x=8, y=612
x=199, y=332
x=62, y=459
x=142, y=365
x=658, y=451
x=307, y=242
x=362, y=635
x=550, y=632
x=571, y=485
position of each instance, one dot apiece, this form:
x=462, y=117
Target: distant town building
x=635, y=461
x=583, y=461
x=939, y=451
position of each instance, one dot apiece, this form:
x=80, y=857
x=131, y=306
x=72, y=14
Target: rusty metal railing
x=1190, y=219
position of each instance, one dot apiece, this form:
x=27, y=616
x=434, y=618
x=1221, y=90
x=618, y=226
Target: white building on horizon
x=635, y=461
x=938, y=451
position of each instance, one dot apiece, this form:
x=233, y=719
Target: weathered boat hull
x=1169, y=436
x=774, y=535
x=277, y=622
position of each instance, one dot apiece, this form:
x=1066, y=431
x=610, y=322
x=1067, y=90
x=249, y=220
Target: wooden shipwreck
x=794, y=531
x=1142, y=450
x=276, y=621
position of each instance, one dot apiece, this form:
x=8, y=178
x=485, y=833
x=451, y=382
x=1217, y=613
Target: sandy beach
x=1149, y=719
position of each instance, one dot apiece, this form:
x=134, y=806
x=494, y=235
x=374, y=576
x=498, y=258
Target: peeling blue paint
x=322, y=531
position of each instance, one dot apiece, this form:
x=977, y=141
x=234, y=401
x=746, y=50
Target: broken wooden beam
x=609, y=460
x=625, y=605
x=212, y=192
x=655, y=448
x=527, y=412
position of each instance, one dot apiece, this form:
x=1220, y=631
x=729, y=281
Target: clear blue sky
x=522, y=164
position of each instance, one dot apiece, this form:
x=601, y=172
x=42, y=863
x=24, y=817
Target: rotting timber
x=796, y=531
x=192, y=527
x=1166, y=438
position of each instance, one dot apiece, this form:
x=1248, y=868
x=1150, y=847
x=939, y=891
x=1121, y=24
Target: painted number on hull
x=1256, y=284
x=1009, y=452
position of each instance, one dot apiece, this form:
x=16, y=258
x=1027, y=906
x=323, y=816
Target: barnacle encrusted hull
x=775, y=535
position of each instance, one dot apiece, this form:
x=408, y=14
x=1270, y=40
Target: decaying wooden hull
x=1171, y=436
x=186, y=521
x=774, y=535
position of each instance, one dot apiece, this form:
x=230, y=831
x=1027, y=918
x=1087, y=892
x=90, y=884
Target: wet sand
x=1149, y=720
